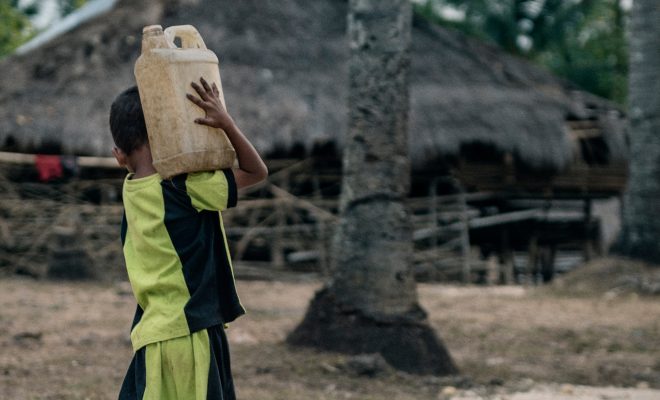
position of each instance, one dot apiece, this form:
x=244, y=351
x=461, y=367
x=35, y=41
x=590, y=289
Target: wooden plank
x=301, y=203
x=422, y=202
x=16, y=158
x=304, y=256
x=270, y=230
x=86, y=162
x=426, y=233
x=98, y=162
x=444, y=216
x=446, y=250
x=482, y=222
x=505, y=218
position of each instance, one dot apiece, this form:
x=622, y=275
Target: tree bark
x=371, y=303
x=641, y=225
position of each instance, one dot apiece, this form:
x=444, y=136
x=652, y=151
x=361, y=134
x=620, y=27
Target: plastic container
x=164, y=72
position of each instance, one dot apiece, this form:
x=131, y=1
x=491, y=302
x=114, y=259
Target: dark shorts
x=194, y=367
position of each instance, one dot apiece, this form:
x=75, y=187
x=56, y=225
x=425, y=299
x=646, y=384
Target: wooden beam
x=482, y=222
x=270, y=230
x=86, y=162
x=505, y=218
x=423, y=203
x=301, y=203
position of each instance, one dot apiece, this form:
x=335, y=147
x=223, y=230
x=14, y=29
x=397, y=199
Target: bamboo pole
x=465, y=239
x=83, y=161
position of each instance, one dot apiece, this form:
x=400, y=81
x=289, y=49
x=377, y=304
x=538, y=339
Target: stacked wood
x=287, y=224
x=54, y=230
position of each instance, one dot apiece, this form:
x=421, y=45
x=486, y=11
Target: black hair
x=127, y=121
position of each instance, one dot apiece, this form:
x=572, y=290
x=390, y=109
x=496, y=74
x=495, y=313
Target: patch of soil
x=69, y=340
x=610, y=276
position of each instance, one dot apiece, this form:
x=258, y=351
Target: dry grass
x=69, y=341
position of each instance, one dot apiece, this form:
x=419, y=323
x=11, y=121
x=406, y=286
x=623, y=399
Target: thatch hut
x=284, y=69
x=497, y=122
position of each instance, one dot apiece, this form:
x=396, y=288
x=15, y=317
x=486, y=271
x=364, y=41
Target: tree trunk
x=641, y=225
x=371, y=304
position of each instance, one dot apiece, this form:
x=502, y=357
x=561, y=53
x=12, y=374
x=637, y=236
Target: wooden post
x=276, y=246
x=532, y=260
x=433, y=211
x=465, y=238
x=492, y=270
x=506, y=272
x=510, y=170
x=323, y=248
x=588, y=244
x=316, y=183
x=508, y=268
x=548, y=263
x=321, y=234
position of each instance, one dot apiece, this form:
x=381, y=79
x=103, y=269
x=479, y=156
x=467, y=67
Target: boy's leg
x=169, y=370
x=221, y=383
x=178, y=368
x=194, y=367
x=160, y=379
x=135, y=380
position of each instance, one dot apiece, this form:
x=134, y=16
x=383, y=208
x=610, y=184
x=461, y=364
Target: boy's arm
x=252, y=169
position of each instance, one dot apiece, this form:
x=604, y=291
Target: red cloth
x=49, y=167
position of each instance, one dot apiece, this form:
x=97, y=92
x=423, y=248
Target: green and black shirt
x=176, y=254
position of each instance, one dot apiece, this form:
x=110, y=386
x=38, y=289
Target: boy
x=177, y=258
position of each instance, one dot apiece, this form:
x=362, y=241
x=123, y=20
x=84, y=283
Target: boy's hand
x=251, y=168
x=209, y=101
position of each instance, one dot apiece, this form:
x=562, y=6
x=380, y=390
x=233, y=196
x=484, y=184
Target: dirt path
x=70, y=341
x=559, y=392
x=587, y=393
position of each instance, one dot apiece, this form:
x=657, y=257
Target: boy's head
x=129, y=131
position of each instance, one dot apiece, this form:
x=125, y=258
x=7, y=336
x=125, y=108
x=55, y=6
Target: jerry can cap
x=152, y=29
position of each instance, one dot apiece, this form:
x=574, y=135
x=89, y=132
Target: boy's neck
x=145, y=170
x=141, y=162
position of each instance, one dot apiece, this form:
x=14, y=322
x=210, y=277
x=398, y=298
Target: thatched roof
x=284, y=68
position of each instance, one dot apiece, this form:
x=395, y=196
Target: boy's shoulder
x=206, y=190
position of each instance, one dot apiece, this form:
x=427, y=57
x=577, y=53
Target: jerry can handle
x=190, y=37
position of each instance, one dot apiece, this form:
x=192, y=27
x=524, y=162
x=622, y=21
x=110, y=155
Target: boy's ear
x=122, y=158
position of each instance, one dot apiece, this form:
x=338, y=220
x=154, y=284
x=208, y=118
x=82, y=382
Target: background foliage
x=15, y=26
x=15, y=20
x=581, y=40
x=66, y=7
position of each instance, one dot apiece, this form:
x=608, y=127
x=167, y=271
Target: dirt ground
x=70, y=341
